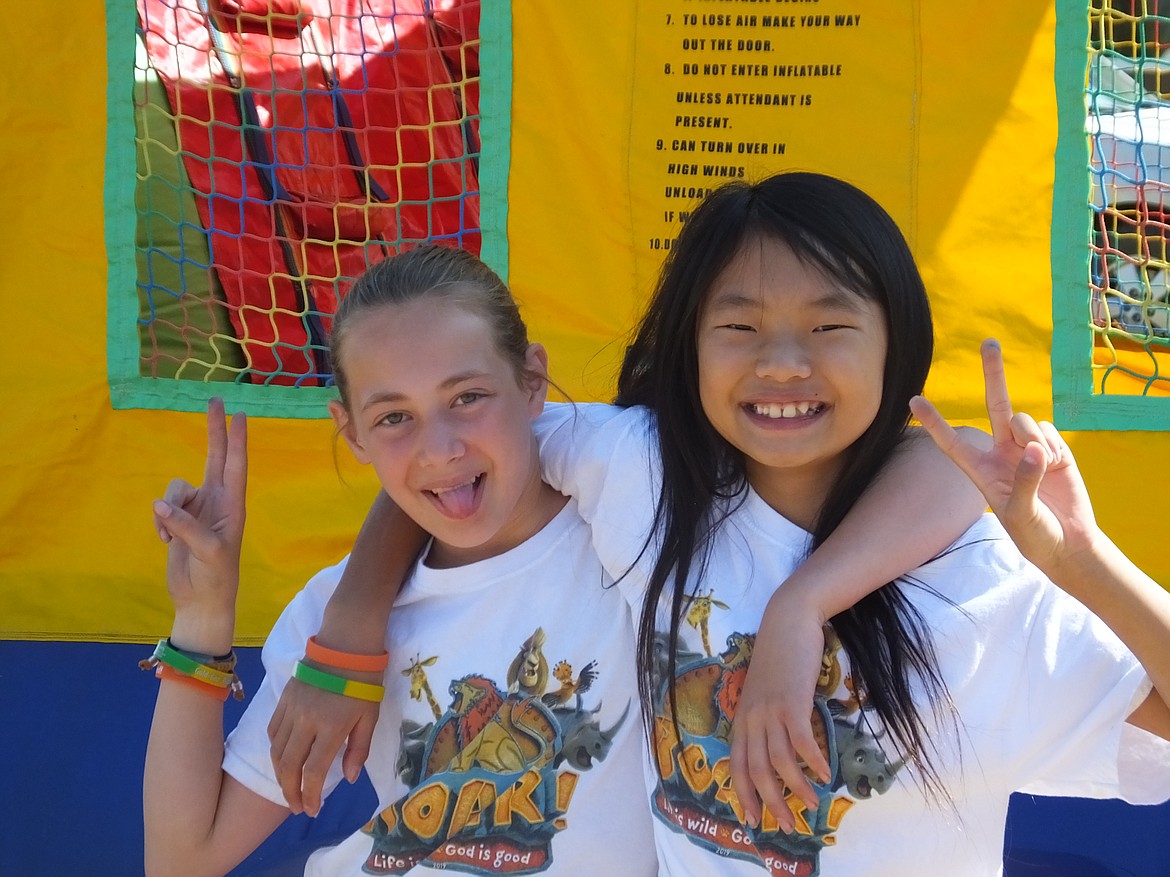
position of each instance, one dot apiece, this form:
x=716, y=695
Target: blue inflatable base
x=76, y=717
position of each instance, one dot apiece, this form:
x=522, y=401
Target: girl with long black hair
x=767, y=388
x=765, y=396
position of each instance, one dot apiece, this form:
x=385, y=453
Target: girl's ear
x=346, y=430
x=536, y=377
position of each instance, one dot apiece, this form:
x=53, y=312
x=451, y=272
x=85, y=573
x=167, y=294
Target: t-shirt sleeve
x=1082, y=683
x=1048, y=685
x=607, y=459
x=1143, y=766
x=246, y=752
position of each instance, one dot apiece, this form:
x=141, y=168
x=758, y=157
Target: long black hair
x=841, y=231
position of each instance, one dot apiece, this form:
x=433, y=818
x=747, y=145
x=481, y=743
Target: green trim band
x=338, y=684
x=129, y=388
x=495, y=132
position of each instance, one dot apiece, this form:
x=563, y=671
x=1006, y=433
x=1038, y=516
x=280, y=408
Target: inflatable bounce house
x=195, y=184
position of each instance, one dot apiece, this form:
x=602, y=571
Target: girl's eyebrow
x=839, y=298
x=732, y=300
x=392, y=396
x=381, y=398
x=836, y=298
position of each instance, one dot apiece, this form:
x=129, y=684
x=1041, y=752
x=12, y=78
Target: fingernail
x=162, y=509
x=351, y=774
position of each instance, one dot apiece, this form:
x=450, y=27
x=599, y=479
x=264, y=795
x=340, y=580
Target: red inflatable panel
x=318, y=134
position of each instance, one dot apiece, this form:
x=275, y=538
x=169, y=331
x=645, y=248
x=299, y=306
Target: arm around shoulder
x=919, y=505
x=916, y=508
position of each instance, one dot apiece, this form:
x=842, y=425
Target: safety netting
x=282, y=146
x=1128, y=125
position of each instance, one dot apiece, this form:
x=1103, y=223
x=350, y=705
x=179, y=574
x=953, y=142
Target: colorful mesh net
x=1128, y=124
x=283, y=145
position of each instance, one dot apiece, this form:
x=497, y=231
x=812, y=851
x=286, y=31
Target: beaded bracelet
x=328, y=657
x=338, y=684
x=216, y=671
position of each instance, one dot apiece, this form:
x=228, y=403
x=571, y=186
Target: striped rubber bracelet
x=162, y=671
x=338, y=684
x=167, y=654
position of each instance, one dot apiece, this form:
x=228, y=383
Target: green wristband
x=167, y=654
x=338, y=684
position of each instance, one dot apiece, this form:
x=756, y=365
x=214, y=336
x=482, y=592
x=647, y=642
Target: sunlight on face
x=440, y=415
x=790, y=371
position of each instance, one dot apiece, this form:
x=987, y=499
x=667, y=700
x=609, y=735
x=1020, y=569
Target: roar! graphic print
x=692, y=748
x=492, y=776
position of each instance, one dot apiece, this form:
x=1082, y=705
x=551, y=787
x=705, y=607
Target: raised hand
x=1029, y=476
x=203, y=528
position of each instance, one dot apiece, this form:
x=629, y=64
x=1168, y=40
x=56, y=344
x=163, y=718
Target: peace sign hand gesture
x=203, y=528
x=1029, y=476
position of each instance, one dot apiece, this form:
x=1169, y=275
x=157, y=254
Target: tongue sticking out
x=458, y=502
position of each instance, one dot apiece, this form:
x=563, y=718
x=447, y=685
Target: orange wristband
x=314, y=651
x=162, y=671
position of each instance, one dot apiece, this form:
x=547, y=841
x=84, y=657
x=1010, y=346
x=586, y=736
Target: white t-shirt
x=1041, y=686
x=509, y=740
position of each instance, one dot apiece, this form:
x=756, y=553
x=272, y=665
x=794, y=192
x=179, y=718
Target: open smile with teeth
x=787, y=410
x=473, y=483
